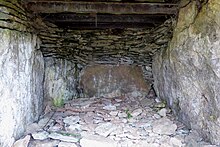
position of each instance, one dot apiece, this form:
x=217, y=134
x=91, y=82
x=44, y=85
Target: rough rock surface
x=97, y=141
x=21, y=74
x=22, y=142
x=107, y=80
x=21, y=80
x=164, y=126
x=187, y=74
x=60, y=79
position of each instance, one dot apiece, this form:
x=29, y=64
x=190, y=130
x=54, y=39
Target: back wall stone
x=113, y=80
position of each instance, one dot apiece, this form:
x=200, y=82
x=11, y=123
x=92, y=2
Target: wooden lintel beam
x=42, y=6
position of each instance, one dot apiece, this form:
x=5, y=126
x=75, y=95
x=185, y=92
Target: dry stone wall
x=108, y=46
x=187, y=73
x=21, y=73
x=65, y=48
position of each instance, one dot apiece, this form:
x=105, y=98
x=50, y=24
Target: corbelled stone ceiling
x=103, y=31
x=104, y=13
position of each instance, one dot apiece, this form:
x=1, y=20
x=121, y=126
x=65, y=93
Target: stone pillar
x=187, y=73
x=21, y=80
x=60, y=79
x=21, y=75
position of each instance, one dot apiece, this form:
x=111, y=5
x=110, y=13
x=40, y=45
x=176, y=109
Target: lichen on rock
x=187, y=73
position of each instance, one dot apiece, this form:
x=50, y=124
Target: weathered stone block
x=187, y=74
x=21, y=84
x=107, y=80
x=60, y=79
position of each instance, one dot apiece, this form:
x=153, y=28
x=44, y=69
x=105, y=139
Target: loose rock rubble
x=111, y=122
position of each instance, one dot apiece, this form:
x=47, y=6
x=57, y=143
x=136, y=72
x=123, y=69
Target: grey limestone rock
x=186, y=74
x=164, y=126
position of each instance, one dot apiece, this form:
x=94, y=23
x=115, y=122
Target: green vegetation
x=58, y=102
x=70, y=134
x=128, y=114
x=212, y=118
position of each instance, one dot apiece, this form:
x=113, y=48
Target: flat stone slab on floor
x=112, y=122
x=97, y=141
x=164, y=126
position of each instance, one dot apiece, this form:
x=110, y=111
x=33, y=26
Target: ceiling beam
x=56, y=6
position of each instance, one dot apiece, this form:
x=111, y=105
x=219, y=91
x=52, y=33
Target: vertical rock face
x=108, y=80
x=187, y=74
x=60, y=79
x=21, y=80
x=21, y=73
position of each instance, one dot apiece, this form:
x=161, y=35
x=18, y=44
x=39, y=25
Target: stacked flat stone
x=110, y=46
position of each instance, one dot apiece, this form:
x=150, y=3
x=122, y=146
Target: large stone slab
x=104, y=80
x=21, y=84
x=187, y=74
x=60, y=79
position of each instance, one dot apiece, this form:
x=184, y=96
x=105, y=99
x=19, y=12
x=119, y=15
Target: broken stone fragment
x=44, y=143
x=97, y=141
x=162, y=112
x=73, y=128
x=176, y=141
x=136, y=112
x=71, y=120
x=105, y=129
x=109, y=107
x=40, y=135
x=113, y=113
x=66, y=144
x=147, y=144
x=160, y=105
x=164, y=126
x=64, y=137
x=122, y=114
x=157, y=116
x=22, y=142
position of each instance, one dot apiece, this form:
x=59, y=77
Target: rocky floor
x=110, y=122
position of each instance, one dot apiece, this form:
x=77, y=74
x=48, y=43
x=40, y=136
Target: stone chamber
x=56, y=53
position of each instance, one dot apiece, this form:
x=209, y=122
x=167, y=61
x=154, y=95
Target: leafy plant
x=128, y=114
x=58, y=102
